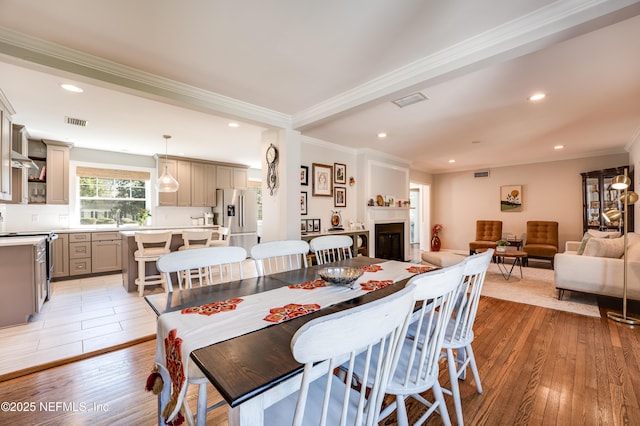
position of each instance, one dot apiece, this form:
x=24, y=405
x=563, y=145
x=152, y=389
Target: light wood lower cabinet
x=61, y=256
x=106, y=252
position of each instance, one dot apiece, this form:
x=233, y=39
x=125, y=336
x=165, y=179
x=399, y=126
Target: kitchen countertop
x=21, y=241
x=174, y=230
x=132, y=228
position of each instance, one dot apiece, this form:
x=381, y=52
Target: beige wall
x=550, y=191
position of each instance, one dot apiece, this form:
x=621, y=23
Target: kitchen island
x=129, y=247
x=24, y=278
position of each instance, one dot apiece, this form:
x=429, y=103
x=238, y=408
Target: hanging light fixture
x=166, y=182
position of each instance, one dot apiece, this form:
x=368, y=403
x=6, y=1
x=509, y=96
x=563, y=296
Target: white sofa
x=598, y=275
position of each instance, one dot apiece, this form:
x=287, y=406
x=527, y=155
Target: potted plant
x=144, y=215
x=501, y=245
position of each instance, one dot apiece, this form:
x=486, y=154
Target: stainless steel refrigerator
x=238, y=210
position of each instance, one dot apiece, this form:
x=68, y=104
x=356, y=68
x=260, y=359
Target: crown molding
x=45, y=53
x=521, y=35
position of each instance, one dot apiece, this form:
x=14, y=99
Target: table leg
x=249, y=413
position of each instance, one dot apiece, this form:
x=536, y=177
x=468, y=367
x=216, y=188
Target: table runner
x=181, y=332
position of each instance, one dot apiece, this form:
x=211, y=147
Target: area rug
x=536, y=287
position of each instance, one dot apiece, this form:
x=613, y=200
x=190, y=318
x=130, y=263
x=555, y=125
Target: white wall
x=551, y=191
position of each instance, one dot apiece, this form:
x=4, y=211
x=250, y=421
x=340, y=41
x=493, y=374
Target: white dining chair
x=279, y=256
x=324, y=343
x=202, y=261
x=460, y=329
x=417, y=369
x=331, y=248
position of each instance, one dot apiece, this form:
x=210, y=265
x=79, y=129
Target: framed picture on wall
x=310, y=225
x=339, y=173
x=304, y=175
x=340, y=196
x=303, y=225
x=316, y=225
x=511, y=198
x=303, y=203
x=322, y=180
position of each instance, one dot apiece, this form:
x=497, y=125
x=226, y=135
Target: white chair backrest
x=334, y=338
x=199, y=238
x=221, y=239
x=475, y=269
x=154, y=238
x=436, y=293
x=203, y=260
x=279, y=256
x=331, y=248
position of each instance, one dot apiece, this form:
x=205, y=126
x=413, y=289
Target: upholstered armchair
x=542, y=240
x=487, y=233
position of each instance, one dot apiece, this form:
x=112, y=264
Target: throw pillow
x=605, y=247
x=594, y=233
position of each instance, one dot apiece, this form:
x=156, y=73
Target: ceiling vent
x=75, y=121
x=410, y=99
x=481, y=174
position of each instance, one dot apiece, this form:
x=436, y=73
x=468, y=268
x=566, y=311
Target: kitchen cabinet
x=598, y=197
x=6, y=112
x=24, y=280
x=61, y=256
x=203, y=185
x=19, y=187
x=184, y=179
x=57, y=174
x=106, y=252
x=79, y=253
x=232, y=177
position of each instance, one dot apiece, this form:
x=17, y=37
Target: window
x=102, y=198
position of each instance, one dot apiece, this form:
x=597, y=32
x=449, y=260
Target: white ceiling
x=329, y=69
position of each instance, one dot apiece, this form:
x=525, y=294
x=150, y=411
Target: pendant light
x=166, y=182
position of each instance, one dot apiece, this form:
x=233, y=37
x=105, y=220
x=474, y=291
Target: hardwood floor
x=538, y=366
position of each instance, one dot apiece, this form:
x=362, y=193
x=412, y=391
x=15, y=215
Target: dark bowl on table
x=340, y=275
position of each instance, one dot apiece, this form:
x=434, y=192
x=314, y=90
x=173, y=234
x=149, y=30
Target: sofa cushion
x=605, y=247
x=633, y=247
x=594, y=233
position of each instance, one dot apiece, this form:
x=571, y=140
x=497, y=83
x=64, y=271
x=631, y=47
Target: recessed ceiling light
x=537, y=97
x=382, y=135
x=558, y=147
x=233, y=124
x=452, y=161
x=71, y=88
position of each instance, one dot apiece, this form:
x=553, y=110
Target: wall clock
x=272, y=160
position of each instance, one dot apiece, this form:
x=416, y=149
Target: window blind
x=112, y=173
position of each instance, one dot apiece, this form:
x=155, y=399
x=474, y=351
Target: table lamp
x=622, y=182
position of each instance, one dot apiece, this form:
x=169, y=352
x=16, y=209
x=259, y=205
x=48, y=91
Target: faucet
x=118, y=222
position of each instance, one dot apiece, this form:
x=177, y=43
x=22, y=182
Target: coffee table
x=518, y=258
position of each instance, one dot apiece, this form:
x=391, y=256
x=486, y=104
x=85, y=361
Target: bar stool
x=223, y=238
x=149, y=250
x=196, y=239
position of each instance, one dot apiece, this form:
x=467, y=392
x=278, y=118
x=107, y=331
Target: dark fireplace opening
x=390, y=241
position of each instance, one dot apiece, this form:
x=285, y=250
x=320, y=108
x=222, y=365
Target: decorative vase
x=501, y=249
x=435, y=243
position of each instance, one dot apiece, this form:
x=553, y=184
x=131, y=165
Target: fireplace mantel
x=377, y=214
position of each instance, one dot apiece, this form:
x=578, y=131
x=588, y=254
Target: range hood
x=19, y=161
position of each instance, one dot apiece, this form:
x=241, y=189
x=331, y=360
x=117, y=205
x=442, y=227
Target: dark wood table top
x=247, y=365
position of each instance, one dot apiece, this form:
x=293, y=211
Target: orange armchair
x=487, y=233
x=542, y=240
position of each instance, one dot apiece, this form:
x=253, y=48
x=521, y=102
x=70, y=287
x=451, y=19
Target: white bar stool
x=150, y=250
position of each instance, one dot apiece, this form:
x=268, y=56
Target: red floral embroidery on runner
x=420, y=269
x=214, y=308
x=371, y=268
x=375, y=285
x=290, y=311
x=172, y=349
x=309, y=285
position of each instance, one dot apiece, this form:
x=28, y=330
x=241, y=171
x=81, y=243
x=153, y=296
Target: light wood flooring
x=83, y=317
x=538, y=367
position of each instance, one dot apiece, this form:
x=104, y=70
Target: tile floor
x=83, y=316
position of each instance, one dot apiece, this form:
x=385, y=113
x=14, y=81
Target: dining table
x=255, y=369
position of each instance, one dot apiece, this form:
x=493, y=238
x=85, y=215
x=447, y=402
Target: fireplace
x=389, y=240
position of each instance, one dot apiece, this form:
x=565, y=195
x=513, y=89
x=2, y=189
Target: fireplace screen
x=389, y=239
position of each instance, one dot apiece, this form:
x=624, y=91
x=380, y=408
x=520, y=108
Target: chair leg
x=401, y=411
x=455, y=387
x=201, y=413
x=442, y=405
x=141, y=277
x=474, y=367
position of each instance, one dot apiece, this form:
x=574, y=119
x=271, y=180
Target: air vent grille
x=481, y=174
x=76, y=121
x=410, y=100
